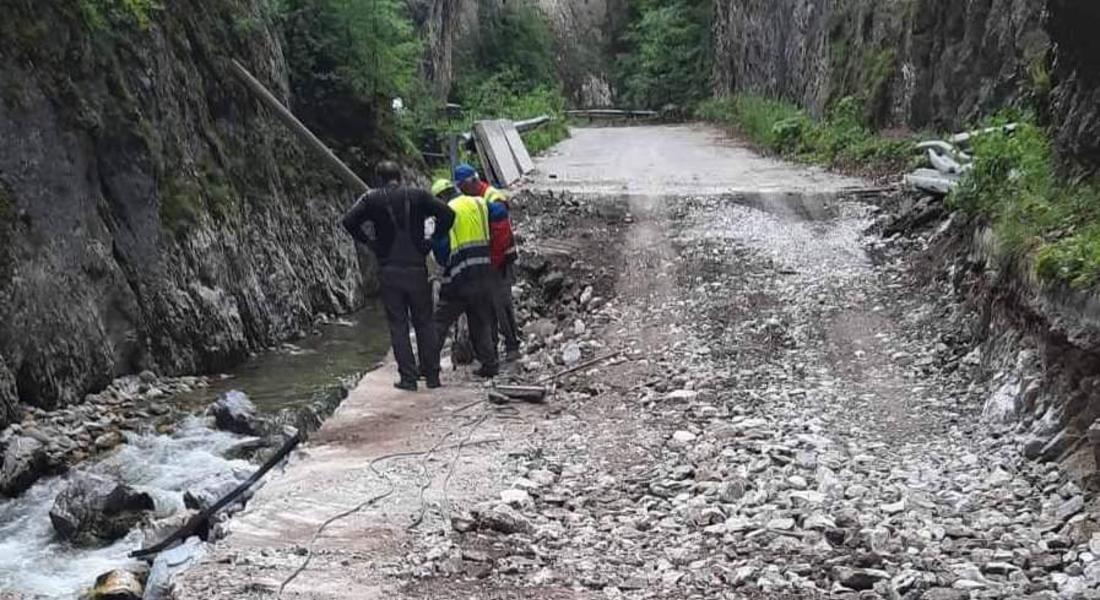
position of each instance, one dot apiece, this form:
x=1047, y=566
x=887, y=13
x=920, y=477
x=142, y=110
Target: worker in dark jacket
x=504, y=253
x=467, y=275
x=398, y=215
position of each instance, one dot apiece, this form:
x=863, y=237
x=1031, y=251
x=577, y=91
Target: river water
x=34, y=563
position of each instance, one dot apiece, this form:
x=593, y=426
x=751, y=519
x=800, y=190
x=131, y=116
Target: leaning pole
x=298, y=128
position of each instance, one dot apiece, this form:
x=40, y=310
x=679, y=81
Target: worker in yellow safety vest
x=503, y=253
x=467, y=274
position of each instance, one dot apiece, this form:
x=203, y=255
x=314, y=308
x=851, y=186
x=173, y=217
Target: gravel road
x=787, y=415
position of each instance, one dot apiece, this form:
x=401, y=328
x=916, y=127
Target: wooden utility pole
x=298, y=128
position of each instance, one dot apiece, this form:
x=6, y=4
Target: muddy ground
x=791, y=412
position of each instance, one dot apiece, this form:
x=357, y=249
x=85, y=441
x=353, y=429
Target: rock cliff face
x=583, y=33
x=584, y=30
x=1075, y=101
x=936, y=64
x=152, y=214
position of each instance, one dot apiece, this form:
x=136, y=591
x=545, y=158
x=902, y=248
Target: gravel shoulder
x=789, y=415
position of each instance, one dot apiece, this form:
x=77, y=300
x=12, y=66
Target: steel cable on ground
x=445, y=504
x=426, y=481
x=503, y=412
x=365, y=504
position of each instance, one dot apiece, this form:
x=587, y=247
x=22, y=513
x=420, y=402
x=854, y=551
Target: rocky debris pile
x=93, y=510
x=793, y=422
x=560, y=293
x=47, y=442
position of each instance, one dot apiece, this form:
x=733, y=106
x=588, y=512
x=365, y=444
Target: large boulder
x=93, y=510
x=25, y=460
x=234, y=412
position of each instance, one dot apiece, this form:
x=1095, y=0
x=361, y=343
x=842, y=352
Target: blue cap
x=464, y=172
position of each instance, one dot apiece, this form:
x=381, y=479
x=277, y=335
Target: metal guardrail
x=595, y=113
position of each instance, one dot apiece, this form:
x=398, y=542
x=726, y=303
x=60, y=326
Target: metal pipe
x=298, y=128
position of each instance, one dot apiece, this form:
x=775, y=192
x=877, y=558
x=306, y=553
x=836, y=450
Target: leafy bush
x=507, y=71
x=348, y=60
x=839, y=140
x=514, y=38
x=667, y=54
x=496, y=97
x=1036, y=215
x=367, y=46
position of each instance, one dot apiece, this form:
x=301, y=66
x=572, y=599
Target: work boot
x=408, y=386
x=487, y=372
x=512, y=355
x=433, y=381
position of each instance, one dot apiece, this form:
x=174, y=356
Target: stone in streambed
x=117, y=585
x=235, y=413
x=210, y=490
x=93, y=510
x=25, y=461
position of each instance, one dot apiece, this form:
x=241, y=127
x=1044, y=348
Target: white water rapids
x=34, y=563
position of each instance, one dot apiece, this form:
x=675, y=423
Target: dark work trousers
x=406, y=292
x=475, y=299
x=505, y=325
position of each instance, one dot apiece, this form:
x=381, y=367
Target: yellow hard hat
x=441, y=185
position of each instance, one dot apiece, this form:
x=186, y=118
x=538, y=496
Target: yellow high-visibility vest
x=469, y=237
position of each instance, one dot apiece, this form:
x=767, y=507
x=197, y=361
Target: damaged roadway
x=792, y=416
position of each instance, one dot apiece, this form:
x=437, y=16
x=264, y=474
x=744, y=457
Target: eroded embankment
x=1038, y=346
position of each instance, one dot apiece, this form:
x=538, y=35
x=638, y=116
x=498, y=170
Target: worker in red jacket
x=503, y=255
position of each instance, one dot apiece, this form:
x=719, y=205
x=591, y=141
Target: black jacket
x=382, y=206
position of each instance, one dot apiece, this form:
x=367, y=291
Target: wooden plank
x=519, y=149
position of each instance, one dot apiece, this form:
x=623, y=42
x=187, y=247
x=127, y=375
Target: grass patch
x=840, y=140
x=1040, y=218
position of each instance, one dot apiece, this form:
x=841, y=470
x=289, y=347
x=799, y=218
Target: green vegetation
x=839, y=140
x=180, y=205
x=512, y=41
x=506, y=70
x=666, y=55
x=508, y=73
x=101, y=14
x=365, y=46
x=1038, y=217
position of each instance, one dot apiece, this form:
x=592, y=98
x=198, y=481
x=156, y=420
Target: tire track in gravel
x=778, y=426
